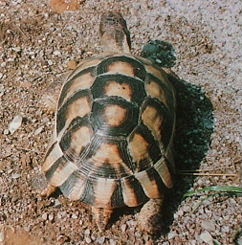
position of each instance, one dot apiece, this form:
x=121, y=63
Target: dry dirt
x=37, y=46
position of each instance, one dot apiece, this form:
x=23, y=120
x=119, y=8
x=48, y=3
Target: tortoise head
x=114, y=34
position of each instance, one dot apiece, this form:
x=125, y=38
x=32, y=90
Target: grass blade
x=235, y=190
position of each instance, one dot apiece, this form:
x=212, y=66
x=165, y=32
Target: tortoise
x=114, y=127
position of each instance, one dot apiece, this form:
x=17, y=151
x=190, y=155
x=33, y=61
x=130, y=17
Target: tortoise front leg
x=149, y=218
x=50, y=95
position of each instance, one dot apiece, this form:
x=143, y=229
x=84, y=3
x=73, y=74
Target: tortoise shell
x=113, y=135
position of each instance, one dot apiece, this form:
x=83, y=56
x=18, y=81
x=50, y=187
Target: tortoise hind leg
x=149, y=218
x=102, y=217
x=49, y=98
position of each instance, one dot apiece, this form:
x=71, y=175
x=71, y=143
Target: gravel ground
x=38, y=46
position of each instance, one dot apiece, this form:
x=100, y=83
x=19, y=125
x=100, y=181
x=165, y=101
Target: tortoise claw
x=48, y=191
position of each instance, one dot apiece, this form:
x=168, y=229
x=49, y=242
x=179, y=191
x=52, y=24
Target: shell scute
x=124, y=64
x=79, y=105
x=151, y=182
x=129, y=88
x=106, y=158
x=158, y=119
x=114, y=116
x=132, y=191
x=60, y=171
x=81, y=81
x=76, y=138
x=143, y=148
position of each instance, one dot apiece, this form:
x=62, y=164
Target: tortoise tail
x=102, y=217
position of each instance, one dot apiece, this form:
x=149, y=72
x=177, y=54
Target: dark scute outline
x=137, y=86
x=68, y=84
x=76, y=123
x=167, y=115
x=59, y=163
x=61, y=114
x=89, y=168
x=98, y=120
x=139, y=67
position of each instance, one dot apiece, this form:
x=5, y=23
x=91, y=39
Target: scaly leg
x=149, y=218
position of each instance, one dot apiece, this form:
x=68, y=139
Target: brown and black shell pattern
x=114, y=129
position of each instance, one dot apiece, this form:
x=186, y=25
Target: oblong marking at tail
x=103, y=191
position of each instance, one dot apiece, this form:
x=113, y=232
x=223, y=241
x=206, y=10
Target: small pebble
x=1, y=236
x=71, y=64
x=225, y=229
x=6, y=131
x=38, y=130
x=123, y=227
x=171, y=235
x=93, y=237
x=50, y=63
x=112, y=242
x=187, y=208
x=51, y=217
x=27, y=228
x=206, y=237
x=15, y=176
x=208, y=225
x=88, y=240
x=10, y=171
x=44, y=216
x=57, y=203
x=59, y=216
x=15, y=123
x=137, y=234
x=3, y=64
x=74, y=216
x=57, y=53
x=180, y=212
x=100, y=240
x=87, y=232
x=131, y=223
x=17, y=49
x=193, y=242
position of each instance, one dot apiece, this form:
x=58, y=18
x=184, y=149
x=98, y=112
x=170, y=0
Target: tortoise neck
x=115, y=42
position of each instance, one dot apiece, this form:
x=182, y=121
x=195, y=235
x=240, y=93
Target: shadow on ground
x=195, y=123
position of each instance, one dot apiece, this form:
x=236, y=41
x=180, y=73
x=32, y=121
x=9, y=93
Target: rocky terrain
x=40, y=42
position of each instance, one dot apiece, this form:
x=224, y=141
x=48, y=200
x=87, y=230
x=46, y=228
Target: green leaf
x=216, y=242
x=219, y=189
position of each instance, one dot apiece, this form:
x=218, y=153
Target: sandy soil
x=37, y=47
